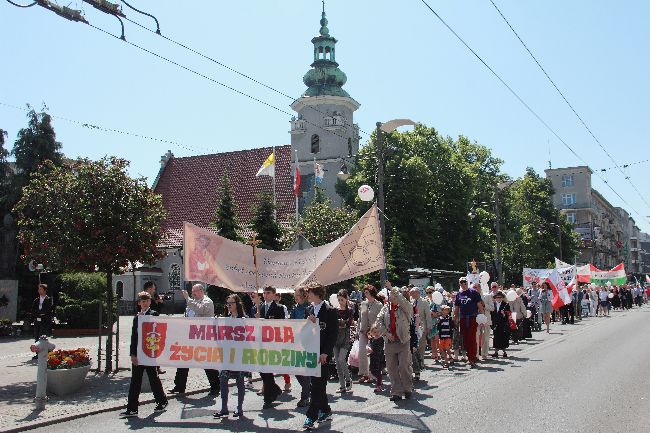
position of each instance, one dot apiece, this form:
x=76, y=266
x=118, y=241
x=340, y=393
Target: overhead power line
x=629, y=164
x=225, y=66
x=537, y=116
x=94, y=126
x=627, y=177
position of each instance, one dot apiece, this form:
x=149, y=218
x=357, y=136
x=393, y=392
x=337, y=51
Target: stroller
x=537, y=317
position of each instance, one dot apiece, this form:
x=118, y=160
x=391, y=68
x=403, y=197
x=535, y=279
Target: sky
x=400, y=60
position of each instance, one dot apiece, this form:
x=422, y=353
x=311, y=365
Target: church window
x=315, y=143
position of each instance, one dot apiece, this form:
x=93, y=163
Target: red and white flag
x=296, y=182
x=561, y=292
x=647, y=279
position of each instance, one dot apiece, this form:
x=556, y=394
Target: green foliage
x=431, y=184
x=225, y=218
x=34, y=145
x=90, y=216
x=320, y=223
x=5, y=175
x=267, y=228
x=396, y=260
x=79, y=299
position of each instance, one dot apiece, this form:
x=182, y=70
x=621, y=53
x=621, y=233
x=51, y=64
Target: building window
x=119, y=289
x=175, y=277
x=315, y=144
x=568, y=180
x=349, y=147
x=568, y=199
x=571, y=217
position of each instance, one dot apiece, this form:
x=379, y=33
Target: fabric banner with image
x=224, y=343
x=213, y=259
x=536, y=275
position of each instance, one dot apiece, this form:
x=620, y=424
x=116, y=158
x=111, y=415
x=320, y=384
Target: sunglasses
x=230, y=303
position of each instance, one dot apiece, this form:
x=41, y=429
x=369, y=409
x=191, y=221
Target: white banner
x=537, y=275
x=266, y=346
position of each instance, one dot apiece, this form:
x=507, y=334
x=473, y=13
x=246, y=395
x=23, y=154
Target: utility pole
x=380, y=200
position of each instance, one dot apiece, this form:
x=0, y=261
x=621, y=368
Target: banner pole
x=254, y=243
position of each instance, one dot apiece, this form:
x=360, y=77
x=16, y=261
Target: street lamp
x=387, y=128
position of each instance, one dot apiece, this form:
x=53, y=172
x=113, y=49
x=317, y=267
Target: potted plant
x=67, y=370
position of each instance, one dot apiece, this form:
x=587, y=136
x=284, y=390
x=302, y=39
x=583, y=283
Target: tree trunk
x=109, y=314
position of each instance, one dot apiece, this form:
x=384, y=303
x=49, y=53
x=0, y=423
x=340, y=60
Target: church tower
x=323, y=130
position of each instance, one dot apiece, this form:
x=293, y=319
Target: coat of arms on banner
x=153, y=338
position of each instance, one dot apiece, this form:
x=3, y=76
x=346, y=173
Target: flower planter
x=66, y=381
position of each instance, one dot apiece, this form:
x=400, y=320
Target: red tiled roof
x=190, y=187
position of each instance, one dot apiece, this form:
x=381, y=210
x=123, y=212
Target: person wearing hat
x=468, y=305
x=500, y=325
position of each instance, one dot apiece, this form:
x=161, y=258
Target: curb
x=56, y=420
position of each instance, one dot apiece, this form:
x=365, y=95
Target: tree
x=225, y=218
x=396, y=261
x=432, y=184
x=5, y=173
x=320, y=223
x=90, y=216
x=34, y=145
x=267, y=228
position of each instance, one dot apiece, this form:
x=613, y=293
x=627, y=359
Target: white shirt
x=317, y=307
x=40, y=303
x=497, y=305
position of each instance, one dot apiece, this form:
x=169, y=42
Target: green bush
x=79, y=299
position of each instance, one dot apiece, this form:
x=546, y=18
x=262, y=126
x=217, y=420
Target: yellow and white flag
x=268, y=167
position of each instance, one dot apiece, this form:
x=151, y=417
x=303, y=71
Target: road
x=589, y=377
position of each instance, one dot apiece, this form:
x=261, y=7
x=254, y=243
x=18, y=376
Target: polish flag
x=561, y=292
x=647, y=279
x=296, y=182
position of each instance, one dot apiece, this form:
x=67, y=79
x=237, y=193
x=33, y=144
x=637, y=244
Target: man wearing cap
x=467, y=306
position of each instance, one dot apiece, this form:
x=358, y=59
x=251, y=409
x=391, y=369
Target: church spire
x=325, y=77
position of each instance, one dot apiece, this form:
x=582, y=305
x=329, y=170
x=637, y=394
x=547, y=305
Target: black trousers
x=319, y=394
x=271, y=389
x=136, y=384
x=180, y=380
x=43, y=327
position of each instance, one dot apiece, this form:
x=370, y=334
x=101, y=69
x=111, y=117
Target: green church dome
x=325, y=77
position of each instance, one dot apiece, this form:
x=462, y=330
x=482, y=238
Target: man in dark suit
x=42, y=312
x=319, y=409
x=144, y=302
x=270, y=310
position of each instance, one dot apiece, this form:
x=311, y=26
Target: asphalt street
x=589, y=377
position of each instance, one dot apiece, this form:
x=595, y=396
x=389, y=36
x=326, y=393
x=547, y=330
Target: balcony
x=298, y=126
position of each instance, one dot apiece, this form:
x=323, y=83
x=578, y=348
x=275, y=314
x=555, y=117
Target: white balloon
x=481, y=319
x=437, y=298
x=511, y=295
x=484, y=277
x=610, y=296
x=366, y=193
x=438, y=286
x=529, y=314
x=609, y=284
x=485, y=289
x=334, y=300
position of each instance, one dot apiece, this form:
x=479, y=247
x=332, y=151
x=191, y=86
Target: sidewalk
x=101, y=391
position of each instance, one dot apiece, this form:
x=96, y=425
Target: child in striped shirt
x=446, y=334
